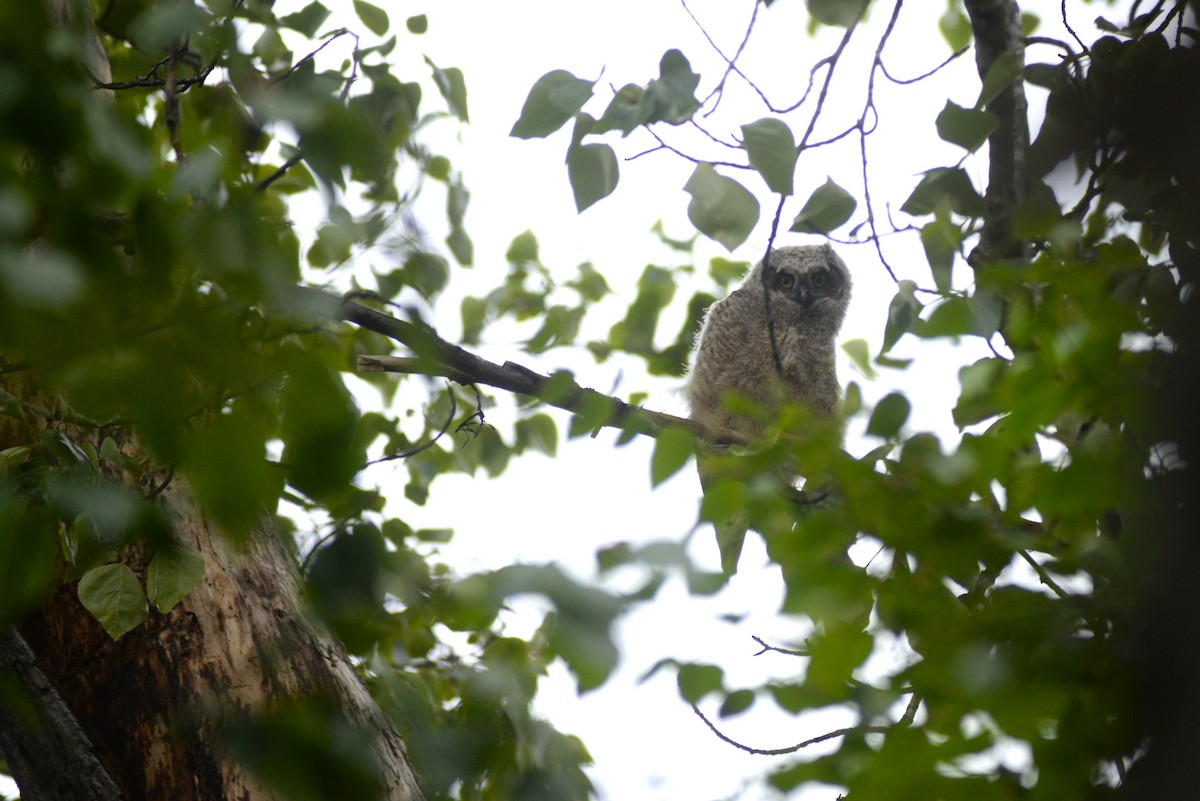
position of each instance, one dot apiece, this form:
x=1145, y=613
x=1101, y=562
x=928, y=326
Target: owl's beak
x=804, y=296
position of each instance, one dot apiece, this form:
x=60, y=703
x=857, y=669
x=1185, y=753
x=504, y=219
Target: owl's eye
x=787, y=281
x=820, y=279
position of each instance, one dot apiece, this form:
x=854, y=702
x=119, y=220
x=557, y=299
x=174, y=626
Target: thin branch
x=767, y=648
x=333, y=36
x=765, y=275
x=910, y=713
x=863, y=133
x=435, y=356
x=924, y=75
x=662, y=145
x=833, y=62
x=292, y=161
x=791, y=749
x=425, y=445
x=730, y=63
x=1043, y=576
x=1066, y=24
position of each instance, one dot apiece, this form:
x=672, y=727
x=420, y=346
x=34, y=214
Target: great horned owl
x=810, y=289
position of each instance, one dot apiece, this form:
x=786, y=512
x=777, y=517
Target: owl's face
x=814, y=278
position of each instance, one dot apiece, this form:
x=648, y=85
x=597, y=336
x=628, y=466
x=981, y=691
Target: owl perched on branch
x=809, y=289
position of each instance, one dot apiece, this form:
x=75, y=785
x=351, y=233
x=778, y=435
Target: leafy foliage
x=1003, y=561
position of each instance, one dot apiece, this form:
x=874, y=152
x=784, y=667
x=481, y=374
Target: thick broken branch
x=436, y=357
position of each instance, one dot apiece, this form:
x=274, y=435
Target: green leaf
x=474, y=318
x=827, y=208
x=374, y=17
x=593, y=172
x=772, y=151
x=523, y=249
x=720, y=207
x=417, y=24
x=903, y=314
x=307, y=20
x=673, y=447
x=736, y=703
x=439, y=535
x=890, y=413
x=320, y=420
x=114, y=597
x=554, y=99
x=950, y=188
x=697, y=681
x=966, y=127
x=835, y=654
x=860, y=356
x=173, y=573
x=1003, y=72
x=941, y=240
x=672, y=98
x=955, y=28
x=450, y=83
x=538, y=432
x=456, y=208
x=840, y=13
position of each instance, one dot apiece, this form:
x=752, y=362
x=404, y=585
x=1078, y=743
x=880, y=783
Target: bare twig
x=768, y=648
x=435, y=356
x=765, y=275
x=863, y=133
x=1043, y=576
x=730, y=63
x=424, y=445
x=832, y=59
x=791, y=749
x=924, y=75
x=279, y=173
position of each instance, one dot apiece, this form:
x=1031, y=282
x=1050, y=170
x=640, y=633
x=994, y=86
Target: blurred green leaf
x=841, y=13
x=942, y=240
x=697, y=681
x=374, y=17
x=948, y=188
x=965, y=127
x=173, y=573
x=890, y=413
x=772, y=151
x=903, y=315
x=955, y=28
x=553, y=100
x=673, y=448
x=828, y=207
x=307, y=20
x=720, y=208
x=736, y=703
x=114, y=597
x=453, y=88
x=593, y=172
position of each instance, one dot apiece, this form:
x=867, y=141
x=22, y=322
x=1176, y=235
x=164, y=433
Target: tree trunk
x=997, y=28
x=153, y=703
x=150, y=709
